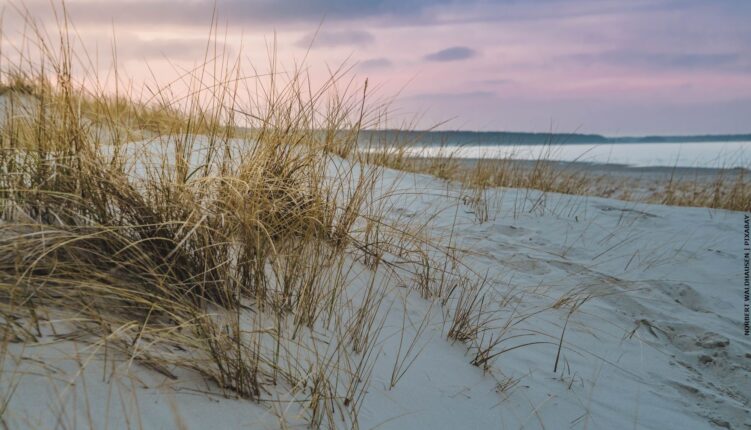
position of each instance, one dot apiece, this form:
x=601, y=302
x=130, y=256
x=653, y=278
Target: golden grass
x=204, y=246
x=163, y=230
x=727, y=189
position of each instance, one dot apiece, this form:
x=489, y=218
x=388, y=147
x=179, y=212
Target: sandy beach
x=601, y=313
x=213, y=215
x=674, y=185
x=642, y=173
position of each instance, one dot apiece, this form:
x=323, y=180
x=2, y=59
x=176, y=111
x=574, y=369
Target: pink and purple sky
x=629, y=67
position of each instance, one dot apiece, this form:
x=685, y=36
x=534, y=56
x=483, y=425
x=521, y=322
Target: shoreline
x=675, y=186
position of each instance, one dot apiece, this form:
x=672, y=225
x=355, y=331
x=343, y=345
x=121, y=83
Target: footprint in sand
x=682, y=294
x=526, y=264
x=510, y=230
x=710, y=340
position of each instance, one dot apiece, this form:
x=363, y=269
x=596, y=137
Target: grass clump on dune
x=245, y=242
x=723, y=189
x=165, y=230
x=726, y=189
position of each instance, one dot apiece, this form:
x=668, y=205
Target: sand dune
x=647, y=300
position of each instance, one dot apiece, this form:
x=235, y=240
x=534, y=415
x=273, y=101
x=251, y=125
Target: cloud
x=455, y=53
x=497, y=81
x=375, y=63
x=454, y=96
x=328, y=39
x=180, y=49
x=543, y=51
x=652, y=60
x=198, y=12
x=278, y=13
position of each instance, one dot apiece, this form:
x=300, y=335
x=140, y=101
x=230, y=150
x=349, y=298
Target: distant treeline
x=521, y=138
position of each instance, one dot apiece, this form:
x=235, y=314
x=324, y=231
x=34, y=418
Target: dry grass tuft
x=727, y=189
x=164, y=230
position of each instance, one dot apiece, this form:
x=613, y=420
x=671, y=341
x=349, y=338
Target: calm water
x=704, y=154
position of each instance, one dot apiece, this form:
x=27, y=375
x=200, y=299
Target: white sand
x=658, y=345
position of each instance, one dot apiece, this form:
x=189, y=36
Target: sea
x=721, y=153
x=725, y=155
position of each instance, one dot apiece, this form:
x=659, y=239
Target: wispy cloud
x=375, y=63
x=659, y=60
x=191, y=12
x=497, y=81
x=585, y=58
x=329, y=39
x=134, y=47
x=453, y=96
x=455, y=53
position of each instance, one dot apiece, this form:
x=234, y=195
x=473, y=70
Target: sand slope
x=657, y=343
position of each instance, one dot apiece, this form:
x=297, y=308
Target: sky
x=629, y=67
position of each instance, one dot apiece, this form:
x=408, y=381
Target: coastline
x=613, y=169
x=673, y=186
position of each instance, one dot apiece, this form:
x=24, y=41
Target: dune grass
x=192, y=231
x=188, y=231
x=202, y=246
x=726, y=189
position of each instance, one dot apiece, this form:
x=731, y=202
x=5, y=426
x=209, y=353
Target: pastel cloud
x=198, y=12
x=328, y=39
x=375, y=63
x=662, y=60
x=608, y=66
x=454, y=53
